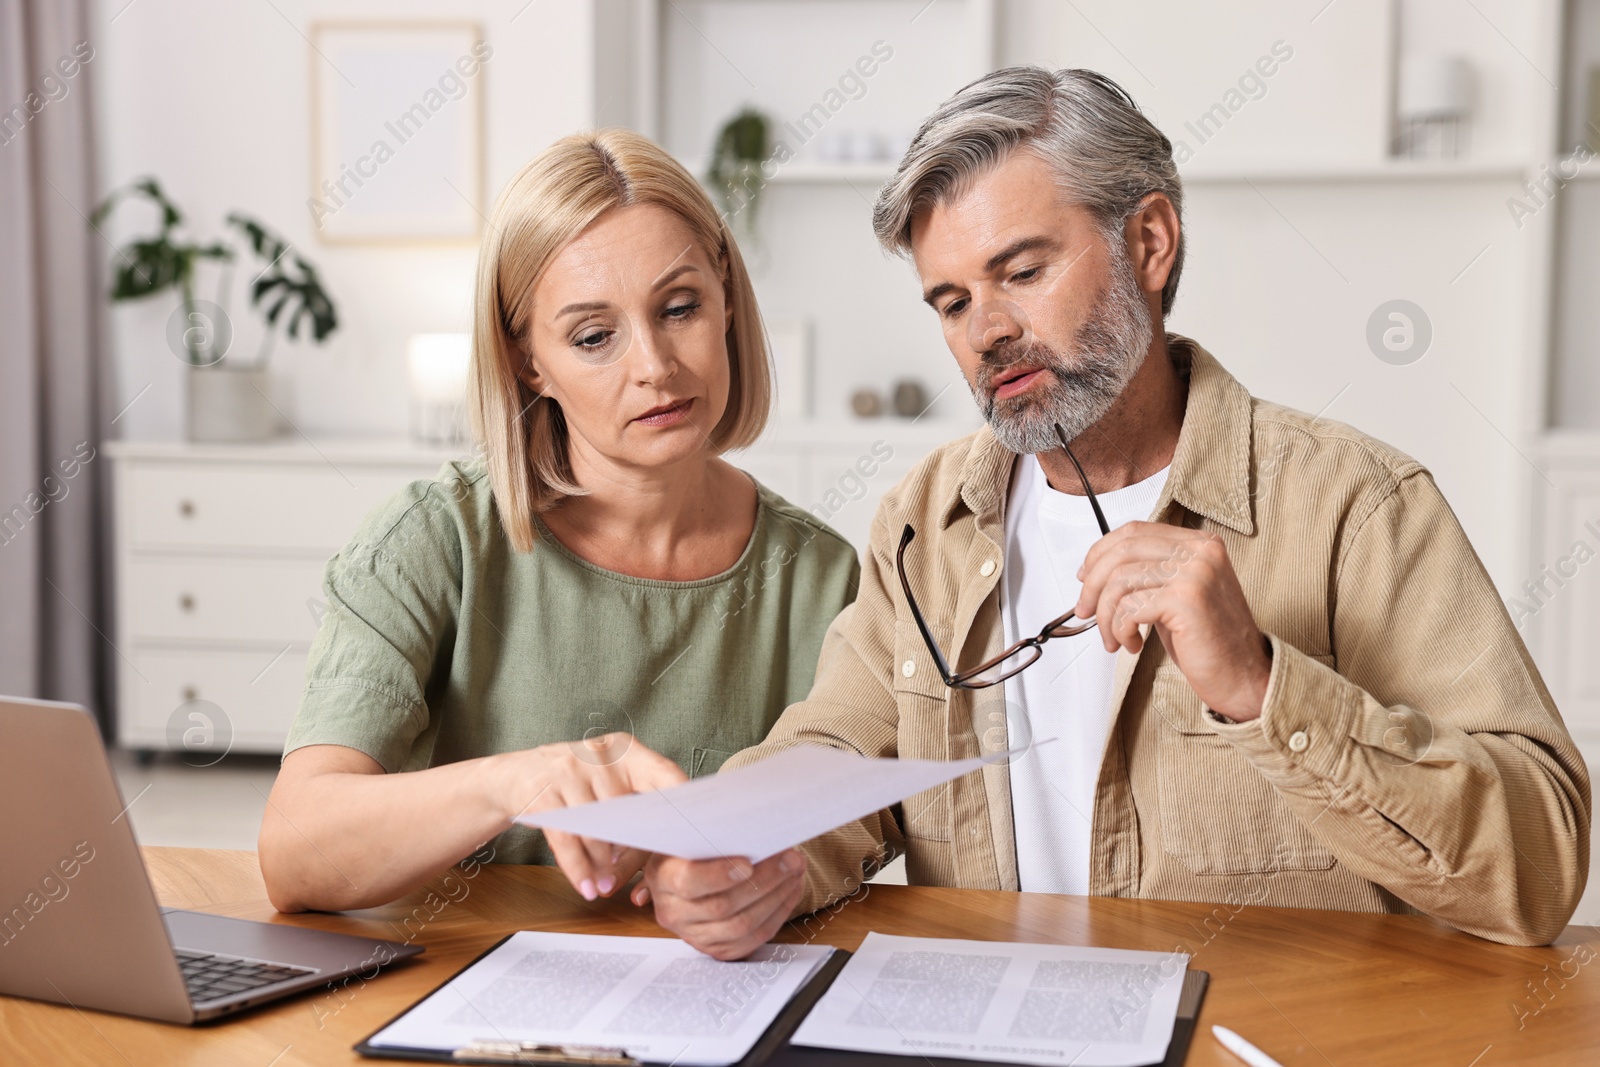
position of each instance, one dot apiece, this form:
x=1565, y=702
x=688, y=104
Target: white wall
x=1281, y=317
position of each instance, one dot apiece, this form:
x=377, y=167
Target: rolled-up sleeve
x=1429, y=758
x=392, y=596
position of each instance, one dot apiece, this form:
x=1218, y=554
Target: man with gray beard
x=1336, y=712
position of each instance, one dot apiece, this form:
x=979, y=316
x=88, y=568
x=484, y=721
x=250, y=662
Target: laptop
x=79, y=922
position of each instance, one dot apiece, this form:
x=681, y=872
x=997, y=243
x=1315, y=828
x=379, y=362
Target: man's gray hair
x=1105, y=153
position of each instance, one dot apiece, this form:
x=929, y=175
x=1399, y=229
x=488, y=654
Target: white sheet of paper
x=656, y=997
x=1008, y=1003
x=759, y=810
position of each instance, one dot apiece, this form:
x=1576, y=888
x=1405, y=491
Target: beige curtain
x=53, y=383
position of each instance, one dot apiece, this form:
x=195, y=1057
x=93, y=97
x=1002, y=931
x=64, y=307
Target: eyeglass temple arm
x=1099, y=516
x=916, y=613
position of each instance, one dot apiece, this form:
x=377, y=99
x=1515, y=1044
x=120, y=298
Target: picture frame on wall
x=397, y=131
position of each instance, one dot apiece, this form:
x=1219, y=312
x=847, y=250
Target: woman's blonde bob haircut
x=552, y=200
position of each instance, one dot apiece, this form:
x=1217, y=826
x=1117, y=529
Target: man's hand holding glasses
x=1179, y=581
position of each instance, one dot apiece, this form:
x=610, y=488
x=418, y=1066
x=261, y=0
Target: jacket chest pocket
x=1218, y=814
x=922, y=702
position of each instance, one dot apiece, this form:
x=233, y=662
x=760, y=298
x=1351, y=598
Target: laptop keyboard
x=211, y=977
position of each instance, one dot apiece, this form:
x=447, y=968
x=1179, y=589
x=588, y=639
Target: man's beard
x=1108, y=351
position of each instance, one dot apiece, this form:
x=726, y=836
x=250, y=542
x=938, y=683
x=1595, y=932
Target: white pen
x=1243, y=1049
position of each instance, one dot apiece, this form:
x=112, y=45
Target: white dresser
x=219, y=551
x=1558, y=607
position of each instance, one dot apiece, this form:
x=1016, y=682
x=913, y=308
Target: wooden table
x=1309, y=987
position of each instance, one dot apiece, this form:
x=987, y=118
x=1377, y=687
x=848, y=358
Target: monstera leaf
x=301, y=293
x=149, y=266
x=162, y=261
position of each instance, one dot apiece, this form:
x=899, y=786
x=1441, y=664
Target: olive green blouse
x=442, y=643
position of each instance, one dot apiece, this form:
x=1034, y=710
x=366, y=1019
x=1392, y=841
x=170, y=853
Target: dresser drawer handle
x=190, y=693
x=186, y=602
x=186, y=508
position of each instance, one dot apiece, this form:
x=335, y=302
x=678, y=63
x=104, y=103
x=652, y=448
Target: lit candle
x=437, y=367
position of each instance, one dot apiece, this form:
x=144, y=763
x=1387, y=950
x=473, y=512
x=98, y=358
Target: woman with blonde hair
x=602, y=604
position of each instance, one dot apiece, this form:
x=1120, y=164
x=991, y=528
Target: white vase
x=229, y=404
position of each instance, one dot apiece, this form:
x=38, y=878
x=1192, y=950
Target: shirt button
x=987, y=568
x=1298, y=741
x=908, y=668
x=972, y=831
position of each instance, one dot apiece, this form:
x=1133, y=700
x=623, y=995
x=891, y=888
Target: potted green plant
x=227, y=397
x=735, y=171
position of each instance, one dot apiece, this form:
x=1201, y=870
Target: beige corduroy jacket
x=1408, y=755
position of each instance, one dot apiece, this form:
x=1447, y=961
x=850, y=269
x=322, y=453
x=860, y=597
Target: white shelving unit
x=804, y=171
x=1561, y=602
x=1560, y=605
x=839, y=470
x=1390, y=170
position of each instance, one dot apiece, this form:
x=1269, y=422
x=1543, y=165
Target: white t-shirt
x=1067, y=694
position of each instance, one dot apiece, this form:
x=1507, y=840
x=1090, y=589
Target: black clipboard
x=775, y=1037
x=773, y=1049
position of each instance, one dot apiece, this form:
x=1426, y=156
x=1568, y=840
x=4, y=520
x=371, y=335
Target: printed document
x=759, y=810
x=655, y=997
x=1008, y=1003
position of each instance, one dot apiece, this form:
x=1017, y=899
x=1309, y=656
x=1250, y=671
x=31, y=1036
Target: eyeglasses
x=1025, y=653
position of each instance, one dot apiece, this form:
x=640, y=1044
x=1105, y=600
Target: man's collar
x=1210, y=473
x=983, y=478
x=1211, y=469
